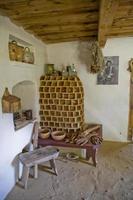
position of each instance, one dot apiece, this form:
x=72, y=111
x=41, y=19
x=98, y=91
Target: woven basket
x=28, y=56
x=44, y=133
x=13, y=50
x=16, y=51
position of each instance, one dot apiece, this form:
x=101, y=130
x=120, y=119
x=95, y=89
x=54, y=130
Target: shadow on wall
x=15, y=164
x=27, y=92
x=84, y=53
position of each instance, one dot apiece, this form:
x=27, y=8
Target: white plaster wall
x=11, y=142
x=105, y=104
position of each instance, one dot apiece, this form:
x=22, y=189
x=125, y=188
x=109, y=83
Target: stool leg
x=35, y=171
x=94, y=157
x=53, y=166
x=88, y=153
x=25, y=176
x=92, y=153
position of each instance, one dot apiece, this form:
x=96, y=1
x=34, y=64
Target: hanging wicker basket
x=96, y=64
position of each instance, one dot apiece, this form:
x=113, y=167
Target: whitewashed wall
x=105, y=104
x=11, y=142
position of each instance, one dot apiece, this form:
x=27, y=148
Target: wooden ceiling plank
x=46, y=6
x=75, y=11
x=122, y=29
x=125, y=3
x=61, y=25
x=65, y=28
x=58, y=18
x=21, y=12
x=51, y=41
x=6, y=2
x=107, y=13
x=125, y=26
x=123, y=21
x=69, y=33
x=121, y=34
x=50, y=2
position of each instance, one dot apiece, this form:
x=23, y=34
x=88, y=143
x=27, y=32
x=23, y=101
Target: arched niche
x=26, y=90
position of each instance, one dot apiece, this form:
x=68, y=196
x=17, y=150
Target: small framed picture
x=49, y=69
x=109, y=76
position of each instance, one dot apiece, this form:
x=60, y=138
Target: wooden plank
x=12, y=1
x=123, y=21
x=119, y=34
x=71, y=39
x=60, y=36
x=125, y=12
x=25, y=175
x=38, y=156
x=63, y=28
x=121, y=30
x=51, y=28
x=47, y=5
x=68, y=34
x=57, y=19
x=108, y=10
x=125, y=3
x=18, y=15
x=124, y=25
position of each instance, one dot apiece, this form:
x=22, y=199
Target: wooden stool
x=35, y=157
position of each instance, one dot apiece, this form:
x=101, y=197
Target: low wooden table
x=91, y=150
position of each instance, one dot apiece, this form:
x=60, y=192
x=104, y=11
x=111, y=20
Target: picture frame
x=49, y=69
x=109, y=75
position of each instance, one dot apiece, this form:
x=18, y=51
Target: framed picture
x=109, y=76
x=49, y=69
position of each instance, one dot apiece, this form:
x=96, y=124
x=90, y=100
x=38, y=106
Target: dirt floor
x=112, y=179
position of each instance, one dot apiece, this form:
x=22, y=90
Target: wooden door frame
x=130, y=129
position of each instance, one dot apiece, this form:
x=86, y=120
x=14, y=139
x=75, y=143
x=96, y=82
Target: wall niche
x=20, y=50
x=26, y=91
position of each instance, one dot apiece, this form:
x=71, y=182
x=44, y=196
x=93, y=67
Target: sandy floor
x=112, y=179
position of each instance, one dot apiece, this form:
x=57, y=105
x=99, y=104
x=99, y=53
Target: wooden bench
x=35, y=157
x=91, y=150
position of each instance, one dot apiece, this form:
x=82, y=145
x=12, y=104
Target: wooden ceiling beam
x=107, y=13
